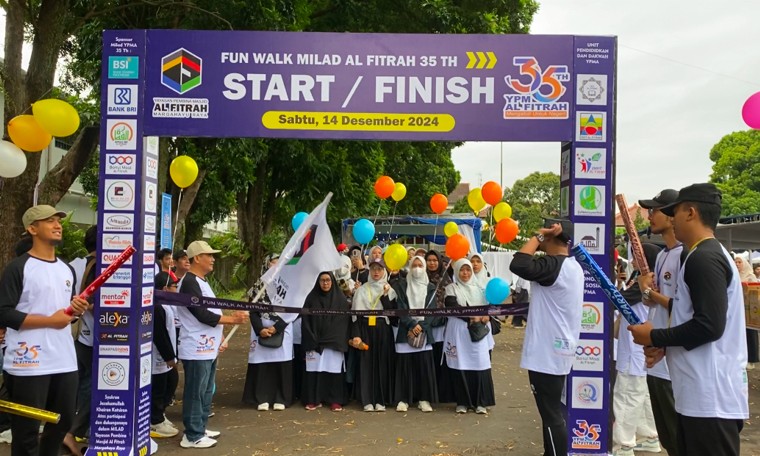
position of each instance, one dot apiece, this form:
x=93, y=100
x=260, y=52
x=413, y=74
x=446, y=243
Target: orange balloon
x=438, y=203
x=384, y=187
x=491, y=192
x=506, y=230
x=457, y=247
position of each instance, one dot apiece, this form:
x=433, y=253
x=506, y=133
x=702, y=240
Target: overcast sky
x=684, y=72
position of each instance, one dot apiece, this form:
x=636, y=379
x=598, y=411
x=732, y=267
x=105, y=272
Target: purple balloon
x=751, y=111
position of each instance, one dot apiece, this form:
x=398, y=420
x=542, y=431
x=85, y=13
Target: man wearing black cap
x=554, y=323
x=707, y=354
x=658, y=292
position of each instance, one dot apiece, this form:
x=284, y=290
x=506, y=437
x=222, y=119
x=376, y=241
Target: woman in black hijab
x=435, y=266
x=359, y=270
x=324, y=339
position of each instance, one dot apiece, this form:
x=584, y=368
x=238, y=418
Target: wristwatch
x=540, y=237
x=646, y=294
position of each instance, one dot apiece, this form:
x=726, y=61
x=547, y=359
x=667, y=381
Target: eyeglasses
x=325, y=280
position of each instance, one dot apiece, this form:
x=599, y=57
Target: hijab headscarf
x=745, y=271
x=368, y=295
x=480, y=277
x=467, y=293
x=372, y=250
x=416, y=284
x=439, y=278
x=325, y=331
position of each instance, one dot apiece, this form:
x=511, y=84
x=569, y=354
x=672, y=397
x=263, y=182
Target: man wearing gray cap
x=40, y=362
x=200, y=336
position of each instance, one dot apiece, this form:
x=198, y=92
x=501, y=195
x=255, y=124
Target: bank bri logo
x=181, y=71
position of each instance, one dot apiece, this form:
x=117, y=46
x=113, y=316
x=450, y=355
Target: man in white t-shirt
x=40, y=365
x=554, y=324
x=200, y=336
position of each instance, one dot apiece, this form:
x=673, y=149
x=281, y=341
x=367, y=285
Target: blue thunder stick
x=591, y=266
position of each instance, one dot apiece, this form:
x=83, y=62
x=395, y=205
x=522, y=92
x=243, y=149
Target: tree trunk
x=250, y=208
x=188, y=198
x=59, y=179
x=49, y=33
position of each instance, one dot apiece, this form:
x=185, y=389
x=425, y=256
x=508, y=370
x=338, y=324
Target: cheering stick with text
x=102, y=278
x=636, y=249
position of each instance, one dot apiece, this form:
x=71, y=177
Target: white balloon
x=12, y=160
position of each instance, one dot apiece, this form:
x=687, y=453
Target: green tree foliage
x=531, y=198
x=736, y=171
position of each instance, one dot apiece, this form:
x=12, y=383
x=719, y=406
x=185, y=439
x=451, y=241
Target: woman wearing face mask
x=438, y=281
x=375, y=373
x=479, y=271
x=468, y=358
x=415, y=369
x=325, y=341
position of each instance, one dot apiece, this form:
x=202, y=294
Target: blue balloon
x=497, y=290
x=364, y=231
x=298, y=220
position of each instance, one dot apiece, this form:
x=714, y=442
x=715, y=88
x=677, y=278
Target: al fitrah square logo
x=181, y=71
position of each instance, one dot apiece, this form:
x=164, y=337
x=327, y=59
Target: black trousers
x=664, y=411
x=55, y=393
x=708, y=436
x=81, y=425
x=160, y=384
x=172, y=381
x=547, y=391
x=753, y=356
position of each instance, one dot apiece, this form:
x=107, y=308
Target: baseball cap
x=179, y=254
x=377, y=262
x=695, y=193
x=199, y=247
x=568, y=229
x=341, y=247
x=40, y=212
x=664, y=198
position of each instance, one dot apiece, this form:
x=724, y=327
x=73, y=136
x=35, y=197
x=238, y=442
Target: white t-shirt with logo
x=666, y=275
x=198, y=340
x=31, y=286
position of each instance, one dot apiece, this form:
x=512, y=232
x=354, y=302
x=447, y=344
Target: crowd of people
x=692, y=404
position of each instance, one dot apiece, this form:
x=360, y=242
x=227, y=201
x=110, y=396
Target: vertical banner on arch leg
x=122, y=339
x=587, y=197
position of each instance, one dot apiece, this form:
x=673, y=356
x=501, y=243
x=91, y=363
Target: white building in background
x=74, y=201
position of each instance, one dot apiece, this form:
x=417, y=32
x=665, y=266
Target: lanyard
x=699, y=242
x=661, y=264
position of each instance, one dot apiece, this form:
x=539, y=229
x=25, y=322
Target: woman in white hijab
x=467, y=345
x=415, y=368
x=479, y=271
x=375, y=374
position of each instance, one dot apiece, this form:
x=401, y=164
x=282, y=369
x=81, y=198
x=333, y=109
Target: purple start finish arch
x=341, y=86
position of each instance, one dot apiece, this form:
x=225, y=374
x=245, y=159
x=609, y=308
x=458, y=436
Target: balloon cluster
x=33, y=133
x=506, y=229
x=385, y=187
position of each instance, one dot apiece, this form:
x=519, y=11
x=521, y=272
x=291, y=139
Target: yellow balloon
x=399, y=192
x=184, y=171
x=476, y=201
x=450, y=229
x=501, y=211
x=57, y=117
x=395, y=257
x=28, y=134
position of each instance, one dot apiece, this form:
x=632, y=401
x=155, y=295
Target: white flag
x=310, y=251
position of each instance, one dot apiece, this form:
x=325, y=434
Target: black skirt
x=415, y=378
x=442, y=375
x=473, y=388
x=324, y=388
x=270, y=383
x=299, y=367
x=375, y=375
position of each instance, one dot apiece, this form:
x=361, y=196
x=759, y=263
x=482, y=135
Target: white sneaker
x=623, y=451
x=461, y=409
x=212, y=434
x=750, y=366
x=649, y=445
x=425, y=406
x=263, y=407
x=153, y=447
x=402, y=407
x=6, y=437
x=166, y=420
x=162, y=430
x=278, y=407
x=481, y=410
x=379, y=408
x=203, y=442
x=369, y=408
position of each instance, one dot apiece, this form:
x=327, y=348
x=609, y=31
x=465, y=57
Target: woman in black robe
x=324, y=339
x=438, y=280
